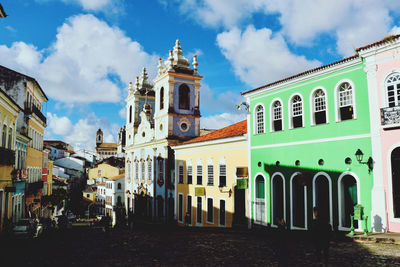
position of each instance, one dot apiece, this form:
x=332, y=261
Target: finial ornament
x=195, y=63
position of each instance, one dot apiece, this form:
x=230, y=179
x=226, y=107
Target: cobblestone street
x=159, y=246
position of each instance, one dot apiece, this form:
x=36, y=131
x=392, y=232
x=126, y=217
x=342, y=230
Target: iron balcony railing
x=390, y=116
x=30, y=108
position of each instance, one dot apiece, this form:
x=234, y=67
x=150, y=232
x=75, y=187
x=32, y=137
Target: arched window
x=277, y=116
x=119, y=186
x=184, y=97
x=9, y=138
x=161, y=98
x=393, y=90
x=130, y=114
x=259, y=119
x=297, y=111
x=319, y=109
x=345, y=96
x=4, y=136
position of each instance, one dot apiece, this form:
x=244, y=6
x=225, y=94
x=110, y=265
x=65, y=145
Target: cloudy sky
x=85, y=52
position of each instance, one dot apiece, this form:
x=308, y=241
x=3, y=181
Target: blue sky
x=84, y=52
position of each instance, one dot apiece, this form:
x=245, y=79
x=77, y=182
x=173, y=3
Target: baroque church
x=159, y=115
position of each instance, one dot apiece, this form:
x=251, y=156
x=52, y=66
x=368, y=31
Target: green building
x=304, y=132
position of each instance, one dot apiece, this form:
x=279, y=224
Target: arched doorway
x=322, y=194
x=395, y=161
x=260, y=199
x=348, y=198
x=278, y=198
x=298, y=203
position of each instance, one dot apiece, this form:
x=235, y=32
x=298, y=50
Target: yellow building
x=211, y=178
x=8, y=116
x=90, y=194
x=103, y=170
x=105, y=150
x=50, y=177
x=34, y=99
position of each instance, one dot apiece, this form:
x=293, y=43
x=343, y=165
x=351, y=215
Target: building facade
x=304, y=132
x=105, y=150
x=211, y=178
x=159, y=116
x=114, y=198
x=9, y=111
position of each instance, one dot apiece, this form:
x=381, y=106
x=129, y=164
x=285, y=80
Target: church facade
x=159, y=115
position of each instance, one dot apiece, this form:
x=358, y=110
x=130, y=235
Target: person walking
x=321, y=231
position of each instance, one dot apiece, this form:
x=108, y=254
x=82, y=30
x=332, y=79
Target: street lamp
x=370, y=163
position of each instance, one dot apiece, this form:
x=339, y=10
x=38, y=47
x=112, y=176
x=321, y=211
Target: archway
x=298, y=203
x=323, y=196
x=278, y=198
x=260, y=199
x=348, y=198
x=395, y=161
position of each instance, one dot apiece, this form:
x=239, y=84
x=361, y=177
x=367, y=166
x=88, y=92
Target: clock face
x=184, y=125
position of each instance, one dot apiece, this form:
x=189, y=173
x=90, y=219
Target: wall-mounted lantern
x=370, y=163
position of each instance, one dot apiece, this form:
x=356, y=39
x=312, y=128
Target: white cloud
x=86, y=63
x=351, y=23
x=211, y=102
x=58, y=125
x=82, y=134
x=259, y=57
x=395, y=30
x=221, y=120
x=122, y=113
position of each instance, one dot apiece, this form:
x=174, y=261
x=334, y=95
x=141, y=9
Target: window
x=87, y=195
x=199, y=210
x=222, y=175
x=189, y=209
x=210, y=210
x=160, y=170
x=319, y=107
x=149, y=168
x=180, y=208
x=161, y=98
x=189, y=175
x=277, y=116
x=180, y=174
x=4, y=136
x=136, y=170
x=184, y=97
x=143, y=170
x=199, y=175
x=210, y=172
x=259, y=119
x=297, y=112
x=9, y=137
x=222, y=212
x=130, y=117
x=393, y=90
x=345, y=101
x=119, y=186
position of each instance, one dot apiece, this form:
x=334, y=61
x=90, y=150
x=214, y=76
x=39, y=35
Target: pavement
x=383, y=238
x=161, y=245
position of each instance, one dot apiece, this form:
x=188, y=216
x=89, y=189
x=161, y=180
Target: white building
x=159, y=116
x=100, y=199
x=115, y=197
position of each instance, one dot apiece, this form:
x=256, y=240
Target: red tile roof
x=236, y=129
x=387, y=39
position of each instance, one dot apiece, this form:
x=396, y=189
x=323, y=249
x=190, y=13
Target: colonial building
x=382, y=67
x=159, y=116
x=114, y=197
x=27, y=93
x=9, y=110
x=100, y=198
x=304, y=134
x=211, y=178
x=105, y=150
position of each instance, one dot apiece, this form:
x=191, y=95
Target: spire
x=160, y=66
x=195, y=64
x=179, y=60
x=144, y=81
x=130, y=88
x=137, y=86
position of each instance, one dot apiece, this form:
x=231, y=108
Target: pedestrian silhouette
x=321, y=231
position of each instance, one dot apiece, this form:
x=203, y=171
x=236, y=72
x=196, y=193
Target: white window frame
x=386, y=84
x=256, y=123
x=339, y=183
x=199, y=164
x=291, y=205
x=330, y=193
x=272, y=197
x=213, y=209
x=219, y=217
x=290, y=107
x=202, y=203
x=313, y=107
x=181, y=208
x=191, y=213
x=337, y=105
x=189, y=164
x=181, y=168
x=272, y=112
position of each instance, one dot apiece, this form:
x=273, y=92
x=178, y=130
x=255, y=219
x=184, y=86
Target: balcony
x=7, y=156
x=390, y=117
x=30, y=108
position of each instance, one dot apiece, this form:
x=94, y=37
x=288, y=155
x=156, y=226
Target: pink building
x=382, y=65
